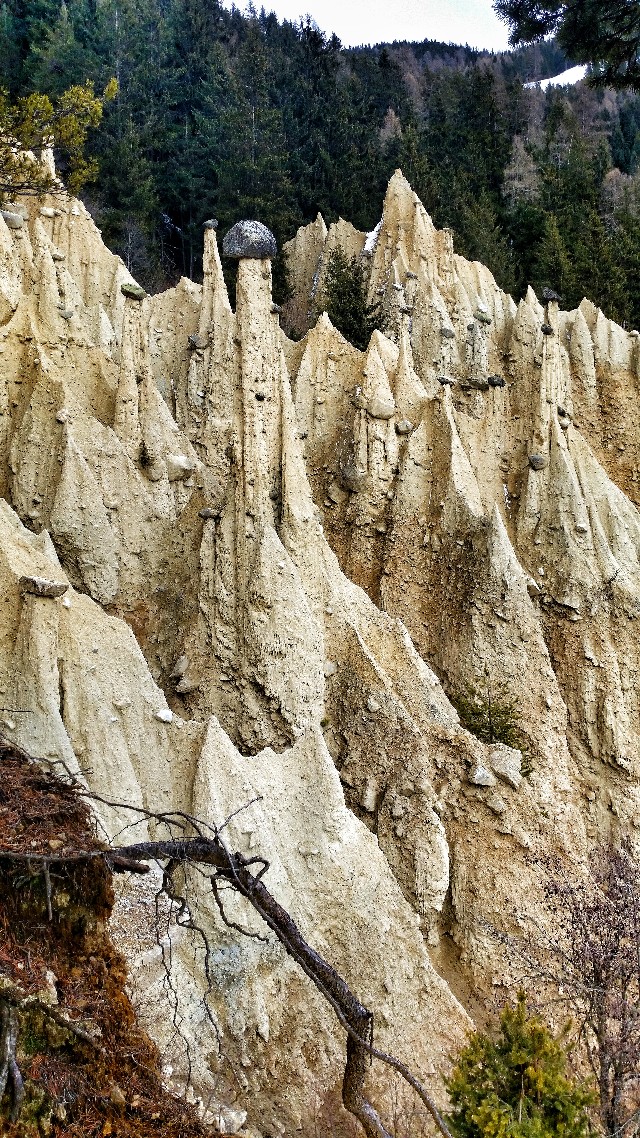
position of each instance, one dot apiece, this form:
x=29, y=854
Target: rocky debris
x=226, y=1120
x=179, y=467
x=179, y=668
x=12, y=220
x=185, y=686
x=481, y=776
x=496, y=381
x=506, y=762
x=249, y=239
x=496, y=803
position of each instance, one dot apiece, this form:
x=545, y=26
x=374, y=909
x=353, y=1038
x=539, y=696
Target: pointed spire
x=410, y=394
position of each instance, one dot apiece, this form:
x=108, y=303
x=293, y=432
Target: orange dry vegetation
x=74, y=1089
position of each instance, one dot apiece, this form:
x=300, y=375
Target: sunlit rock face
x=266, y=567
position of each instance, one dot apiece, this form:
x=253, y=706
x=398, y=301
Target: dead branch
x=13, y=999
x=9, y=1070
x=235, y=871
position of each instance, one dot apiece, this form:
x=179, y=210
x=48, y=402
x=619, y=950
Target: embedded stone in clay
x=42, y=587
x=132, y=291
x=13, y=220
x=538, y=461
x=249, y=239
x=179, y=466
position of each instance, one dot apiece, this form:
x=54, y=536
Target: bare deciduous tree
x=586, y=959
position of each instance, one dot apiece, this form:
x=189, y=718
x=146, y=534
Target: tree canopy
x=603, y=33
x=587, y=962
x=224, y=114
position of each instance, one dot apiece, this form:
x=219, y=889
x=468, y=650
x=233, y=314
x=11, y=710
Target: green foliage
x=552, y=267
x=32, y=123
x=517, y=1085
x=604, y=33
x=492, y=715
x=345, y=298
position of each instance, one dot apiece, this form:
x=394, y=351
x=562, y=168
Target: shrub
x=493, y=716
x=517, y=1085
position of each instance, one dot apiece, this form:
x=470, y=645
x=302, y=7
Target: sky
x=374, y=21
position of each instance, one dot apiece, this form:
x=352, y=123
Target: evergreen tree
x=604, y=33
x=60, y=60
x=33, y=124
x=517, y=1085
x=599, y=273
x=11, y=35
x=345, y=297
x=552, y=267
x=226, y=114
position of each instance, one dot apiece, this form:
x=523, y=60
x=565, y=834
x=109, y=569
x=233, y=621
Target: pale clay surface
x=272, y=550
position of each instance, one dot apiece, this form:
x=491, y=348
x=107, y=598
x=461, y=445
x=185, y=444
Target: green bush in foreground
x=517, y=1085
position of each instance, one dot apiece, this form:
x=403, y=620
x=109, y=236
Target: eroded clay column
x=257, y=338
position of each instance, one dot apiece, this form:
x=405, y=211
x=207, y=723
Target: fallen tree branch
x=236, y=870
x=14, y=998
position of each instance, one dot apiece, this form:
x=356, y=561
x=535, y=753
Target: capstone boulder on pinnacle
x=549, y=294
x=249, y=239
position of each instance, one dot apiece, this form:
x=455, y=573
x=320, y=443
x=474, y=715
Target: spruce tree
x=553, y=268
x=345, y=297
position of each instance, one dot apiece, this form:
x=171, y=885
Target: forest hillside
x=223, y=114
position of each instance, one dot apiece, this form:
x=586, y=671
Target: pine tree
x=517, y=1085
